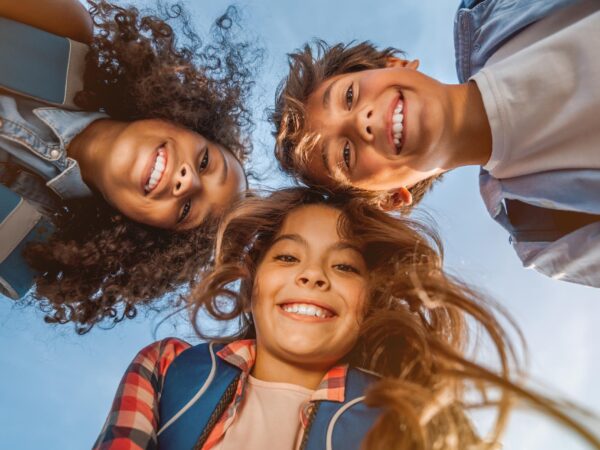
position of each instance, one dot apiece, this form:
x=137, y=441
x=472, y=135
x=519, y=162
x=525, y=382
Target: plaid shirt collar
x=242, y=354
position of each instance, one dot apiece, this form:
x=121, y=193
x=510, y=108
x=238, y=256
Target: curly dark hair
x=100, y=266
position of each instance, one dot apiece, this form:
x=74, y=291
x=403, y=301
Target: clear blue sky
x=57, y=387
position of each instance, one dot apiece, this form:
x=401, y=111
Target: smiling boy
x=526, y=111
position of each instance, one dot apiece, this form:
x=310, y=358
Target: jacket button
x=54, y=154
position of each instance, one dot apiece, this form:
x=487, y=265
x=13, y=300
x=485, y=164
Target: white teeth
x=306, y=310
x=157, y=170
x=398, y=124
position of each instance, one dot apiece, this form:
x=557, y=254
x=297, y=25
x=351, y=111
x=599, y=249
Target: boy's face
x=380, y=129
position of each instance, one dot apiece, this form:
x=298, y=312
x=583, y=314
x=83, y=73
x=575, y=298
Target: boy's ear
x=396, y=199
x=393, y=61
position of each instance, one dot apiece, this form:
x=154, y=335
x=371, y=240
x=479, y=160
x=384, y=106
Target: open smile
x=155, y=170
x=396, y=124
x=307, y=310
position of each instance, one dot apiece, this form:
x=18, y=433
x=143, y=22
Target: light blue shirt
x=35, y=137
x=36, y=175
x=480, y=29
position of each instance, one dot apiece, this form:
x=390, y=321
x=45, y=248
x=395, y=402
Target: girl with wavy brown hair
x=143, y=172
x=349, y=335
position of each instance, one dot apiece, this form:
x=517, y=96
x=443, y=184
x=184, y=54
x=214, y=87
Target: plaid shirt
x=132, y=422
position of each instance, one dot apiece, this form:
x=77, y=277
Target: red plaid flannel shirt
x=132, y=422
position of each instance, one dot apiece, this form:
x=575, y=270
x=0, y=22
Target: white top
x=268, y=418
x=541, y=93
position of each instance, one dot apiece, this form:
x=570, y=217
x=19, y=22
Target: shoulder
x=160, y=354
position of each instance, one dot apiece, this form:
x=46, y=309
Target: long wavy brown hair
x=309, y=67
x=420, y=327
x=100, y=266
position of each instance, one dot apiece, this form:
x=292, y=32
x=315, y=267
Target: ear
x=396, y=199
x=393, y=61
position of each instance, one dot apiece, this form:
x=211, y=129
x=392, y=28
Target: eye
x=286, y=258
x=349, y=96
x=204, y=163
x=346, y=153
x=185, y=210
x=346, y=268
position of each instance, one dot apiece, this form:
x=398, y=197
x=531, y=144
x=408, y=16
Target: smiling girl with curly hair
x=156, y=155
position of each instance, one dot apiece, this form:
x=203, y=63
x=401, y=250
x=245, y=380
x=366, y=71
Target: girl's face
x=167, y=176
x=310, y=291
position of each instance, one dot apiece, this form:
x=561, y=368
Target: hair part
x=309, y=67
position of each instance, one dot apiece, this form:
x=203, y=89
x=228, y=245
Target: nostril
x=183, y=172
x=178, y=186
x=369, y=114
x=369, y=130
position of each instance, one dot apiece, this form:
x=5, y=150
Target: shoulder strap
x=20, y=223
x=194, y=385
x=343, y=426
x=40, y=65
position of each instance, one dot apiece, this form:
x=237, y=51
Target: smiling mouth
x=397, y=125
x=309, y=310
x=156, y=171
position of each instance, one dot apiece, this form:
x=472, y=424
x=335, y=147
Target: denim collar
x=66, y=125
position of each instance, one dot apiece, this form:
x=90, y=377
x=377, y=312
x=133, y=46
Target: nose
x=363, y=125
x=185, y=181
x=312, y=277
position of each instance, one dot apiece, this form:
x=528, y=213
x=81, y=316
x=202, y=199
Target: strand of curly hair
x=100, y=266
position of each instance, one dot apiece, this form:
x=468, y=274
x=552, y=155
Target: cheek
x=356, y=299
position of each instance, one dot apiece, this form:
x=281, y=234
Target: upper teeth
x=306, y=310
x=157, y=170
x=398, y=124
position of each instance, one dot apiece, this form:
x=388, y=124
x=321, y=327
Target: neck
x=468, y=133
x=89, y=147
x=269, y=368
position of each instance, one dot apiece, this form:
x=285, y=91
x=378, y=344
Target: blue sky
x=57, y=387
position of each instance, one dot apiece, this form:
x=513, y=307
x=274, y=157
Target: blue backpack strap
x=194, y=385
x=20, y=224
x=40, y=65
x=343, y=426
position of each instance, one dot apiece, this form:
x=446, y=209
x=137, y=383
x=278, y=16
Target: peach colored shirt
x=269, y=417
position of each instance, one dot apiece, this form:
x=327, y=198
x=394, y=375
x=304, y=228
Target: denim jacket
x=543, y=200
x=35, y=176
x=35, y=137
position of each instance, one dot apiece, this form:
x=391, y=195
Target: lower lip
x=404, y=134
x=303, y=318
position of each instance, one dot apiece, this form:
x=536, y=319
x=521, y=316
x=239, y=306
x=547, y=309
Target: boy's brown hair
x=308, y=68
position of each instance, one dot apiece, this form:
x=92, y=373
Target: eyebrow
x=327, y=94
x=225, y=167
x=291, y=237
x=325, y=157
x=340, y=245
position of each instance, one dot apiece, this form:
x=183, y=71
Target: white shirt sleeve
x=541, y=93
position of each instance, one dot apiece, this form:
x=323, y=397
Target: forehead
x=312, y=222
